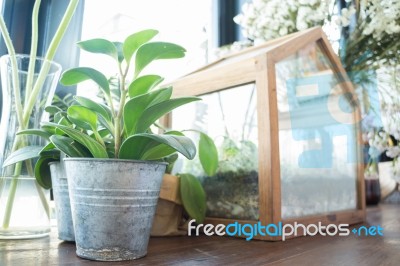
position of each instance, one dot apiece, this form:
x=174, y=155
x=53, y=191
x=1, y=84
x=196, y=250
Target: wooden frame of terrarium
x=257, y=65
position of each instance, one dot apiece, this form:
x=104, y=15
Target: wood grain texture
x=318, y=250
x=264, y=144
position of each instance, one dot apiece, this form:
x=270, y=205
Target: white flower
x=382, y=17
x=283, y=31
x=301, y=24
x=370, y=135
x=346, y=15
x=392, y=28
x=393, y=152
x=368, y=30
x=269, y=19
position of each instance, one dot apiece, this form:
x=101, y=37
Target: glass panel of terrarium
x=229, y=117
x=317, y=134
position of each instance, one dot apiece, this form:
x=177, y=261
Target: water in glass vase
x=29, y=214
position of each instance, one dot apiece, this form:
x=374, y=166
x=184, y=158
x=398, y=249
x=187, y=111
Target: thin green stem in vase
x=49, y=56
x=14, y=68
x=32, y=56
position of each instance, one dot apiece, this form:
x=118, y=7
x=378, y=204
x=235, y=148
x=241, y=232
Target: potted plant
x=51, y=165
x=182, y=194
x=114, y=166
x=28, y=84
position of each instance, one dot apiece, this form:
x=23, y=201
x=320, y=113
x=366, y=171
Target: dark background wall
x=225, y=29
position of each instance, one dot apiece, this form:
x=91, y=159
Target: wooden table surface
x=318, y=250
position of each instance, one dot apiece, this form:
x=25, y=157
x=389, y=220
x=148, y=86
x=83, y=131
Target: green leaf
x=69, y=146
x=143, y=84
x=110, y=149
x=171, y=159
x=134, y=41
x=159, y=96
x=208, y=154
x=52, y=109
x=37, y=132
x=104, y=133
x=140, y=146
x=59, y=115
x=134, y=147
x=42, y=171
x=157, y=50
x=95, y=148
x=174, y=132
x=65, y=122
x=135, y=107
x=99, y=108
x=108, y=125
x=99, y=46
x=119, y=46
x=155, y=112
x=193, y=197
x=83, y=117
x=74, y=76
x=49, y=150
x=158, y=152
x=161, y=151
x=105, y=117
x=25, y=153
x=50, y=129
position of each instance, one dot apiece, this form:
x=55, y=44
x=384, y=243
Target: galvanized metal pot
x=113, y=204
x=62, y=202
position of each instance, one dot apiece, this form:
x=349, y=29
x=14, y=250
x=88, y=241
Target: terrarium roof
x=272, y=51
x=285, y=44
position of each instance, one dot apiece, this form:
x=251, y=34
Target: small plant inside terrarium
x=232, y=124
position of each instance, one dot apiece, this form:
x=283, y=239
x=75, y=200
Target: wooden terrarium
x=285, y=120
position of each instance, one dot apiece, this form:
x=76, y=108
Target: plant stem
x=110, y=102
x=11, y=196
x=13, y=186
x=18, y=107
x=98, y=137
x=49, y=57
x=14, y=69
x=118, y=118
x=42, y=198
x=118, y=132
x=55, y=42
x=10, y=201
x=222, y=114
x=32, y=56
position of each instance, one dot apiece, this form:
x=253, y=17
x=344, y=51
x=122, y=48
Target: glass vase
x=24, y=208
